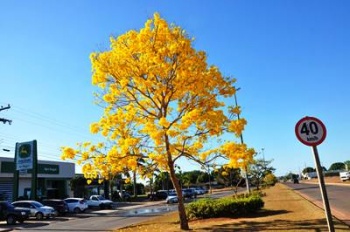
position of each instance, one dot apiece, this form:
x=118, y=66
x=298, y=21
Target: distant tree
x=162, y=181
x=347, y=165
x=270, y=179
x=186, y=181
x=203, y=178
x=337, y=166
x=77, y=185
x=228, y=176
x=192, y=176
x=259, y=169
x=308, y=169
x=140, y=188
x=290, y=176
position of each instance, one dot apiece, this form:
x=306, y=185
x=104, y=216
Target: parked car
x=159, y=195
x=76, y=205
x=189, y=193
x=121, y=195
x=199, y=191
x=10, y=214
x=99, y=201
x=59, y=205
x=37, y=210
x=172, y=198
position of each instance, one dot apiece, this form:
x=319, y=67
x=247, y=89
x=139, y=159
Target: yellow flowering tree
x=162, y=102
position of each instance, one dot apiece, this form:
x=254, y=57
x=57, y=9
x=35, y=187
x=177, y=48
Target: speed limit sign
x=310, y=131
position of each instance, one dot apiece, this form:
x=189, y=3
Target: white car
x=172, y=198
x=37, y=210
x=344, y=176
x=76, y=205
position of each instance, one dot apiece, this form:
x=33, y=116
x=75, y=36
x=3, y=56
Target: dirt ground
x=284, y=210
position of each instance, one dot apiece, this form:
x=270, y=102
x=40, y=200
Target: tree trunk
x=181, y=206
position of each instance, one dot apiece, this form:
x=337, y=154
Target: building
x=52, y=181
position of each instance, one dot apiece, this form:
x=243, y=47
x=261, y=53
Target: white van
x=344, y=176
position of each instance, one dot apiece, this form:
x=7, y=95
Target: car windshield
x=100, y=198
x=8, y=205
x=37, y=204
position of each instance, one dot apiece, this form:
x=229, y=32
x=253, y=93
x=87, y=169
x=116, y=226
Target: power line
x=48, y=149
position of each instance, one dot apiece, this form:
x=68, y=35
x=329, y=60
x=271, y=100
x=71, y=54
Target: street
x=338, y=196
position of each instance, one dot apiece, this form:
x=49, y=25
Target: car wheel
x=102, y=206
x=77, y=210
x=10, y=220
x=39, y=216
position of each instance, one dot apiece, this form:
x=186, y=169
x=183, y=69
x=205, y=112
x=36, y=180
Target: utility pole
x=4, y=120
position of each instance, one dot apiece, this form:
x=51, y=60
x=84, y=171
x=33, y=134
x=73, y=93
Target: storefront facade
x=52, y=181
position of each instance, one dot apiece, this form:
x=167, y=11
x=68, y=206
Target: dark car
x=159, y=195
x=59, y=205
x=117, y=195
x=189, y=193
x=9, y=213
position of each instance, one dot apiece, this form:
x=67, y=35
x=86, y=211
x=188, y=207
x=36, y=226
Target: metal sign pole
x=323, y=190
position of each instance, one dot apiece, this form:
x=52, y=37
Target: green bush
x=224, y=207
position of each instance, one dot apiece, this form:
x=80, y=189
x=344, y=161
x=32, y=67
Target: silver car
x=37, y=210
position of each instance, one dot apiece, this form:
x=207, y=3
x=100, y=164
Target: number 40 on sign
x=310, y=131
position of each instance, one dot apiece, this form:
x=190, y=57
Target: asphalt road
x=101, y=220
x=338, y=197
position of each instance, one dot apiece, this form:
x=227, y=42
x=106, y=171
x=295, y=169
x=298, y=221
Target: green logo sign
x=24, y=155
x=24, y=151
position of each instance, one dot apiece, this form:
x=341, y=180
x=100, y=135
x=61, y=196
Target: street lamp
x=242, y=142
x=209, y=179
x=236, y=104
x=263, y=154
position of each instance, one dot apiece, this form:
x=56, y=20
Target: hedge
x=224, y=207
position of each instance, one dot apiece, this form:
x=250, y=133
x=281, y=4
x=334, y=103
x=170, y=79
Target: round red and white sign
x=310, y=131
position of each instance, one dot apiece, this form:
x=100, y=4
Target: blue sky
x=291, y=59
